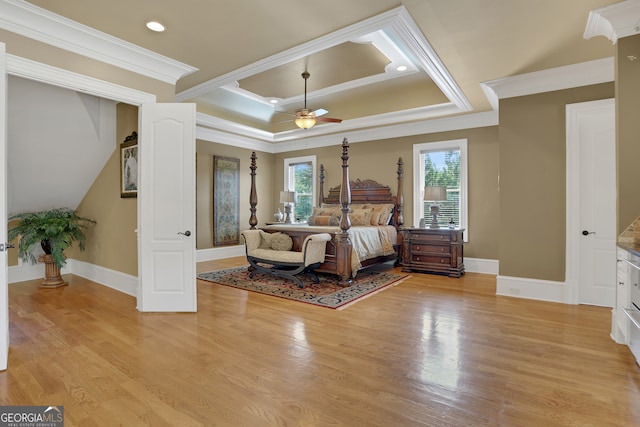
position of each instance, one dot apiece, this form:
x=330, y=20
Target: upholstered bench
x=270, y=253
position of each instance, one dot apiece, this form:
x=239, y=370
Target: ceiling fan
x=306, y=118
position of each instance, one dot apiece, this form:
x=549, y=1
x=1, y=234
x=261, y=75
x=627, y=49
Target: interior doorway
x=591, y=203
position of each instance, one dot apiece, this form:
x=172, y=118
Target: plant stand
x=52, y=277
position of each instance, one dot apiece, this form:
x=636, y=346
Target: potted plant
x=54, y=230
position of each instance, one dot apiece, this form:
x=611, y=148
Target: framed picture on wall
x=226, y=201
x=129, y=166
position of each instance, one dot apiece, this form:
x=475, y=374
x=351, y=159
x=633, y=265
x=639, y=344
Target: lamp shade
x=435, y=193
x=287, y=197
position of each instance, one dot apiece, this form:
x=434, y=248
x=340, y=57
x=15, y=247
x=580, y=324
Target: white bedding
x=367, y=241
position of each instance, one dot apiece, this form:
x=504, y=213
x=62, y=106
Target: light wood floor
x=431, y=351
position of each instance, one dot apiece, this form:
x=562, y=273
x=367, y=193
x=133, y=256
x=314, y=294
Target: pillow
x=360, y=217
x=376, y=210
x=385, y=214
x=281, y=242
x=320, y=220
x=265, y=240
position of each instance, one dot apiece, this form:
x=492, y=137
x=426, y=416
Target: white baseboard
x=479, y=265
x=110, y=278
x=113, y=279
x=128, y=284
x=219, y=253
x=543, y=290
x=25, y=271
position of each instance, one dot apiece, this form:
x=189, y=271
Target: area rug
x=327, y=293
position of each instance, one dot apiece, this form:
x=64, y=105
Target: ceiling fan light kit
x=306, y=118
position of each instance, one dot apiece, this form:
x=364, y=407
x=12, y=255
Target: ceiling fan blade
x=328, y=120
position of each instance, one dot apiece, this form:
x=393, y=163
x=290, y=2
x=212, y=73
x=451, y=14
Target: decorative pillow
x=358, y=206
x=385, y=214
x=320, y=220
x=281, y=242
x=376, y=210
x=360, y=217
x=335, y=219
x=265, y=240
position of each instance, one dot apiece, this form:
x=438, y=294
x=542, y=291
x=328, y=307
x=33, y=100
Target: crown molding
x=30, y=21
x=467, y=121
x=297, y=52
x=569, y=76
x=410, y=34
x=221, y=137
x=446, y=124
x=614, y=21
x=377, y=121
x=43, y=73
x=397, y=20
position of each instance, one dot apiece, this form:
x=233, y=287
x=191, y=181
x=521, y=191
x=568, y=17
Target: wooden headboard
x=368, y=191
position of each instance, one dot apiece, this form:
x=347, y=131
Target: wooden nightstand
x=438, y=250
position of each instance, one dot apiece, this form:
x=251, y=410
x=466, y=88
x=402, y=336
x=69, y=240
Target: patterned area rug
x=327, y=293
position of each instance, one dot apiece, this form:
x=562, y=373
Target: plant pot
x=52, y=277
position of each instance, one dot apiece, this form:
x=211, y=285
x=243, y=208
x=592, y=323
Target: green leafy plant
x=55, y=230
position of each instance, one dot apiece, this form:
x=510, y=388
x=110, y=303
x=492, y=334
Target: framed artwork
x=226, y=201
x=129, y=166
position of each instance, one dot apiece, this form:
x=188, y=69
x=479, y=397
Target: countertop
x=630, y=246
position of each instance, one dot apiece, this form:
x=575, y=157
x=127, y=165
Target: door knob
x=186, y=233
x=586, y=233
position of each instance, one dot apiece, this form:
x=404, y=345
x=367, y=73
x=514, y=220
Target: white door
x=594, y=229
x=166, y=208
x=4, y=288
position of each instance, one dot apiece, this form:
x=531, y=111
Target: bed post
x=253, y=197
x=399, y=219
x=343, y=243
x=321, y=195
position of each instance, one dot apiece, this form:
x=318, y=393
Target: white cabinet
x=619, y=319
x=625, y=325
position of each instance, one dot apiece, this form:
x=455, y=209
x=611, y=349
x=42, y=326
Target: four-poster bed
x=362, y=216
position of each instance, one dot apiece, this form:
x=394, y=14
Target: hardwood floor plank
x=430, y=351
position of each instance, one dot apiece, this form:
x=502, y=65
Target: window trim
x=418, y=178
x=305, y=159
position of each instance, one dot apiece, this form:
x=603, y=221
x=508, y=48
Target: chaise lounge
x=270, y=253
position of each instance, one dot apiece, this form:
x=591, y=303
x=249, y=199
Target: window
x=300, y=176
x=442, y=163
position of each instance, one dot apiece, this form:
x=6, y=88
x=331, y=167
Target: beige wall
x=112, y=241
x=527, y=150
x=532, y=139
x=628, y=130
x=378, y=160
x=204, y=187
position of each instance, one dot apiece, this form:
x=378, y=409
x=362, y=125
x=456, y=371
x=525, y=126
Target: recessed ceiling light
x=401, y=68
x=155, y=26
x=274, y=101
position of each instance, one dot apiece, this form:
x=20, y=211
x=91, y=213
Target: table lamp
x=288, y=198
x=435, y=193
